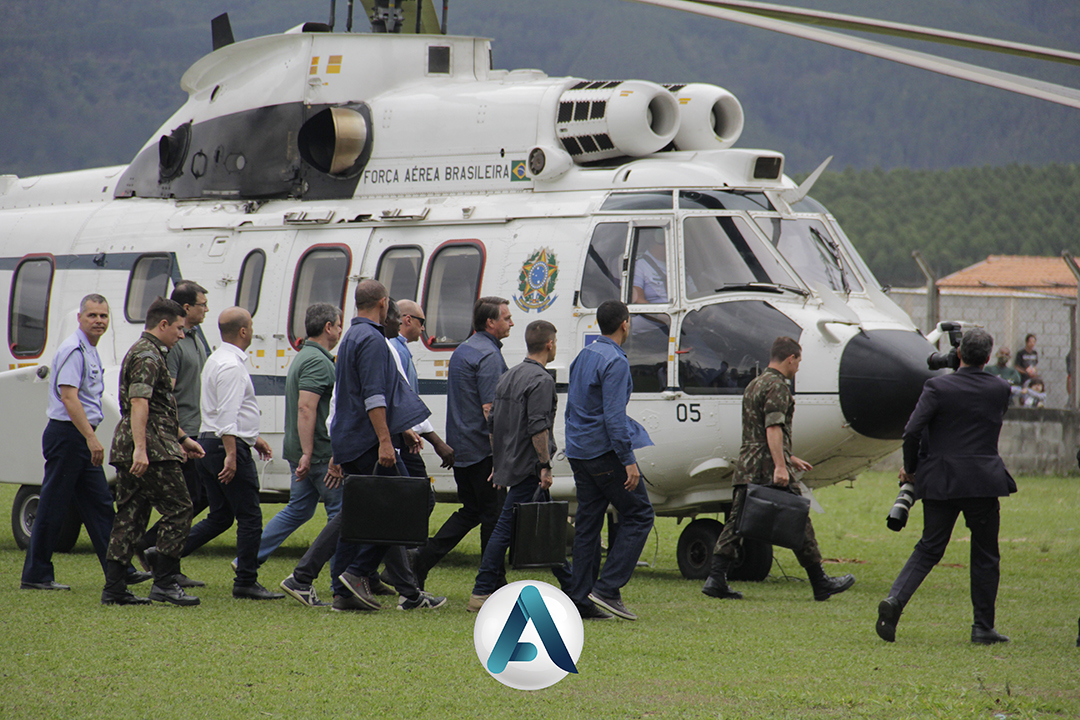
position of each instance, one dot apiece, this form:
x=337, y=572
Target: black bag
x=538, y=536
x=774, y=515
x=385, y=510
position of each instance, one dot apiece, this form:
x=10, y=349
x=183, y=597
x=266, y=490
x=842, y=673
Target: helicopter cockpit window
x=724, y=253
x=451, y=290
x=28, y=311
x=651, y=200
x=149, y=280
x=321, y=277
x=648, y=267
x=723, y=200
x=809, y=205
x=250, y=286
x=809, y=247
x=723, y=347
x=647, y=351
x=602, y=277
x=399, y=271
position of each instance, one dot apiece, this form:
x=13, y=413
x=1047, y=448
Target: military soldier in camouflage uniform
x=765, y=458
x=147, y=450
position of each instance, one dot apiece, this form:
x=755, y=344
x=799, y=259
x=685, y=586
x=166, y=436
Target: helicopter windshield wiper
x=768, y=287
x=833, y=250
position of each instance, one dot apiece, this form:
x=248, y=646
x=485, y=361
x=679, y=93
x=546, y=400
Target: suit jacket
x=951, y=439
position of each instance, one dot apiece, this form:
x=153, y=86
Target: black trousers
x=481, y=503
x=983, y=517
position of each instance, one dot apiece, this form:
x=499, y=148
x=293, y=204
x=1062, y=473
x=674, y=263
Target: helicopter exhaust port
x=711, y=118
x=599, y=120
x=333, y=141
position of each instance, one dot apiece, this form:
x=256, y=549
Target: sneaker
x=613, y=606
x=348, y=603
x=592, y=612
x=423, y=601
x=360, y=588
x=476, y=602
x=379, y=587
x=304, y=594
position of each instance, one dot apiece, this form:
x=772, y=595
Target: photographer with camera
x=951, y=458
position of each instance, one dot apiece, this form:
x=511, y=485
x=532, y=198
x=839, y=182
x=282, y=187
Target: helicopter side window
x=149, y=280
x=647, y=351
x=399, y=271
x=811, y=250
x=649, y=267
x=602, y=278
x=321, y=277
x=28, y=309
x=723, y=347
x=250, y=285
x=724, y=252
x=451, y=290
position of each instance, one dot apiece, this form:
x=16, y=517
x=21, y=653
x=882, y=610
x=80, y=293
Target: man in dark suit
x=951, y=455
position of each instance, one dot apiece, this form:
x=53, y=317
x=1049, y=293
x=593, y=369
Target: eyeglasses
x=205, y=305
x=417, y=319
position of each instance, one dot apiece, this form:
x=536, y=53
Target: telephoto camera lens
x=898, y=515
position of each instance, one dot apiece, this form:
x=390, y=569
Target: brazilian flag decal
x=517, y=171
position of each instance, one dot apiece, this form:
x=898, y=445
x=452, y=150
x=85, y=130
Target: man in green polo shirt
x=308, y=388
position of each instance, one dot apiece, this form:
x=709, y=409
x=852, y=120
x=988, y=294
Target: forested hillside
x=953, y=217
x=87, y=83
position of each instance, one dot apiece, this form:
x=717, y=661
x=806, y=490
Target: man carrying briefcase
x=521, y=423
x=765, y=458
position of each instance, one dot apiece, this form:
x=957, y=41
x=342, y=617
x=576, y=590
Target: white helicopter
x=305, y=161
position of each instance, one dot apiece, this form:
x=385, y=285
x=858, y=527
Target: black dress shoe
x=255, y=592
x=172, y=593
x=986, y=637
x=137, y=576
x=888, y=614
x=185, y=582
x=593, y=612
x=51, y=585
x=122, y=598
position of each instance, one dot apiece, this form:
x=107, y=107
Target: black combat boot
x=716, y=586
x=825, y=586
x=165, y=587
x=115, y=591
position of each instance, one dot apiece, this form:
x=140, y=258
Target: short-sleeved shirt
x=1006, y=373
x=767, y=402
x=312, y=370
x=596, y=419
x=474, y=372
x=1025, y=359
x=144, y=374
x=650, y=274
x=77, y=364
x=368, y=378
x=185, y=360
x=525, y=404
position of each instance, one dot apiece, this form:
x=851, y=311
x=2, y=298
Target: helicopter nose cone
x=881, y=376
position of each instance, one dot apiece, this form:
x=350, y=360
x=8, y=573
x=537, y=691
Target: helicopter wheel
x=753, y=563
x=24, y=512
x=695, y=548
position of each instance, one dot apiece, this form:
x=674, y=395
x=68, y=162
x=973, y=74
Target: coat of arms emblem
x=536, y=283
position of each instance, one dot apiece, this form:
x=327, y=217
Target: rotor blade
x=953, y=68
x=882, y=27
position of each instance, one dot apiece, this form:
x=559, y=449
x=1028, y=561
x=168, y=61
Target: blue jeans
x=492, y=566
x=69, y=478
x=599, y=482
x=361, y=559
x=304, y=497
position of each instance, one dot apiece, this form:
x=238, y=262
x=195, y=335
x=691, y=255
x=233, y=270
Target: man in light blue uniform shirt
x=73, y=453
x=600, y=444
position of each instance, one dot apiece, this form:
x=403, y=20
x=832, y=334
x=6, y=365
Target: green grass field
x=775, y=654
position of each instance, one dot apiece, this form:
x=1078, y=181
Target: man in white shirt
x=230, y=428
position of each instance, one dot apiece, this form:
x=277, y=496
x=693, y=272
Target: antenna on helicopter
x=221, y=30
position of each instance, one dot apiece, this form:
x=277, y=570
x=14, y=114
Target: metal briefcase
x=385, y=510
x=538, y=538
x=774, y=515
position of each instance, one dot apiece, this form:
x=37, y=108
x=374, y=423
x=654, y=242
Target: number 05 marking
x=691, y=412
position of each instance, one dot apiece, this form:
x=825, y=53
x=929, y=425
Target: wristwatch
x=544, y=466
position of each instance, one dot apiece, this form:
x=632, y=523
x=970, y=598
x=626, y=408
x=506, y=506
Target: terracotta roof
x=1047, y=275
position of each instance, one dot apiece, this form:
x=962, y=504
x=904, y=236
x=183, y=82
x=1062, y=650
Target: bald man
x=230, y=428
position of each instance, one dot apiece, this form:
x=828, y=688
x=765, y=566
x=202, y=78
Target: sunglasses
x=417, y=319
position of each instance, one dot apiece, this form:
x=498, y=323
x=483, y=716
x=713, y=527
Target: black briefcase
x=774, y=515
x=538, y=537
x=385, y=510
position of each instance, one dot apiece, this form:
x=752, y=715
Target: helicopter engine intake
x=711, y=118
x=600, y=119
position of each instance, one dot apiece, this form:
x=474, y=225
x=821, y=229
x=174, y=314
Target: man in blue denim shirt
x=475, y=369
x=373, y=402
x=600, y=444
